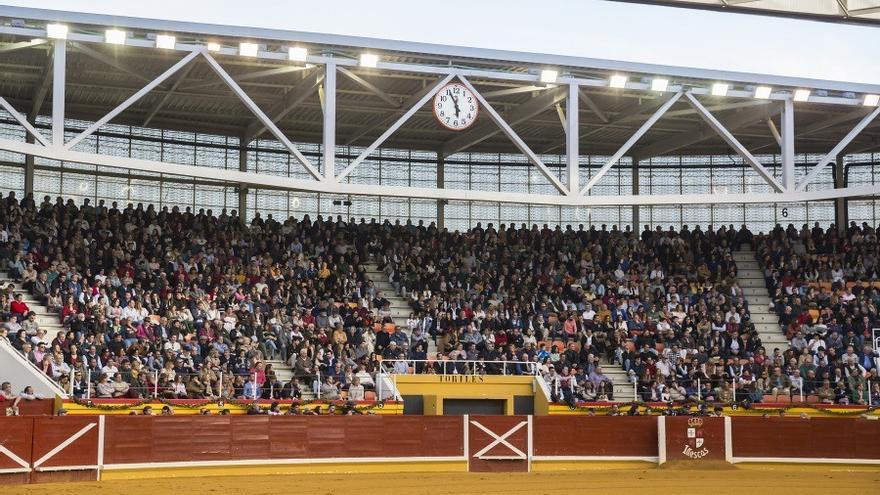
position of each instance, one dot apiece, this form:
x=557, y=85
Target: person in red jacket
x=19, y=308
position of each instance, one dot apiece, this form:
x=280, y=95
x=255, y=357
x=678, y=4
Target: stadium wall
x=70, y=448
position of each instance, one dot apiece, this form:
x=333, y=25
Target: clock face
x=456, y=107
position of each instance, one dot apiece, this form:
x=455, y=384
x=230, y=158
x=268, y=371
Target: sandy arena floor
x=779, y=480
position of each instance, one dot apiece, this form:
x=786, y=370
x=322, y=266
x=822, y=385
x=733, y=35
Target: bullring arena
x=264, y=260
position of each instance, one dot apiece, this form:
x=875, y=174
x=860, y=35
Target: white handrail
x=44, y=379
x=532, y=368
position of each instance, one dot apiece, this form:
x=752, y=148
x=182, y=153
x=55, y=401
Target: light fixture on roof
x=548, y=76
x=659, y=84
x=166, y=41
x=56, y=31
x=37, y=41
x=617, y=81
x=720, y=89
x=871, y=100
x=248, y=49
x=763, y=92
x=115, y=36
x=369, y=60
x=297, y=53
x=214, y=47
x=801, y=94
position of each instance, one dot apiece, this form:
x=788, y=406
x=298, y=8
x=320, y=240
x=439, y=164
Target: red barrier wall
x=141, y=439
x=818, y=438
x=67, y=448
x=595, y=436
x=39, y=407
x=693, y=439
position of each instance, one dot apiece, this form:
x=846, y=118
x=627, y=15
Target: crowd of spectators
x=825, y=290
x=178, y=304
x=192, y=305
x=664, y=305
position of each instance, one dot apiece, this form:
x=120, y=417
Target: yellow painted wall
x=436, y=388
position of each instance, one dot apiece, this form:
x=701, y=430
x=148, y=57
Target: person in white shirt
x=356, y=390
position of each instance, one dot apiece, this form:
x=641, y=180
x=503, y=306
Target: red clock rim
x=434, y=107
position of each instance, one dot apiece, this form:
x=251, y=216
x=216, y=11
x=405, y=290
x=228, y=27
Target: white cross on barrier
x=502, y=440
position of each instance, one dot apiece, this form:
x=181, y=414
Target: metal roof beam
x=288, y=103
x=100, y=57
x=42, y=89
x=519, y=114
x=386, y=119
x=630, y=142
x=240, y=78
x=591, y=104
x=266, y=121
x=372, y=88
x=159, y=104
x=512, y=135
x=734, y=143
x=699, y=133
x=11, y=47
x=864, y=11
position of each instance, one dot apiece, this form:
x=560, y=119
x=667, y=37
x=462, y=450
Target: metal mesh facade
x=394, y=167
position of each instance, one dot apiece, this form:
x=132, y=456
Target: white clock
x=456, y=107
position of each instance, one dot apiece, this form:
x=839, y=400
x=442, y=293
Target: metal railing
x=458, y=367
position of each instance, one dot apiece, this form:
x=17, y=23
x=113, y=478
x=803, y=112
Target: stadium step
x=400, y=307
x=751, y=279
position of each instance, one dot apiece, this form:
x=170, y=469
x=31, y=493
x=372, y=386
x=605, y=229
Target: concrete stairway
x=50, y=322
x=400, y=307
x=751, y=279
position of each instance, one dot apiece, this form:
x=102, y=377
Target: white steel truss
x=568, y=191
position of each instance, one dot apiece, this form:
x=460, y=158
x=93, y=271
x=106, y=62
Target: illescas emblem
x=694, y=447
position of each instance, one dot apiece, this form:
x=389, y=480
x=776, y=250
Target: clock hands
x=455, y=102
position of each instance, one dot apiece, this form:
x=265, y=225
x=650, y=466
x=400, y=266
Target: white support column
x=242, y=188
x=441, y=179
x=58, y=82
x=330, y=122
x=572, y=140
x=787, y=145
x=636, y=221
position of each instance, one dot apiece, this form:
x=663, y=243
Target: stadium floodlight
x=720, y=89
x=801, y=95
x=248, y=49
x=659, y=84
x=369, y=60
x=297, y=54
x=214, y=47
x=115, y=36
x=548, y=76
x=871, y=100
x=763, y=92
x=166, y=41
x=617, y=81
x=56, y=31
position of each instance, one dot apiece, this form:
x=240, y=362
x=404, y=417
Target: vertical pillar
x=441, y=203
x=330, y=121
x=29, y=168
x=572, y=151
x=242, y=188
x=841, y=213
x=58, y=81
x=635, y=190
x=788, y=144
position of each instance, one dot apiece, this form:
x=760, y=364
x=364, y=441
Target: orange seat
x=783, y=399
x=814, y=315
x=369, y=395
x=559, y=345
x=660, y=346
x=812, y=399
x=630, y=346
